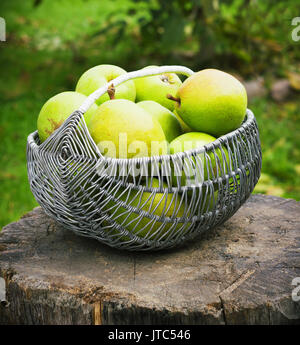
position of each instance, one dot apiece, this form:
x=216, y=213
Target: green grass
x=26, y=83
x=279, y=128
x=17, y=121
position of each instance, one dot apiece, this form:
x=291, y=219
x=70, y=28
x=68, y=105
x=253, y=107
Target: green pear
x=165, y=117
x=184, y=126
x=192, y=140
x=95, y=77
x=57, y=109
x=158, y=204
x=157, y=87
x=211, y=101
x=122, y=129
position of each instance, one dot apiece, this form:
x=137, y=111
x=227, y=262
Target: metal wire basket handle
x=132, y=75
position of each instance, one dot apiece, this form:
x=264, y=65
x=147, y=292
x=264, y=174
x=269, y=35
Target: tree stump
x=242, y=272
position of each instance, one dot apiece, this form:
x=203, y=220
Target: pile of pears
x=159, y=108
x=176, y=115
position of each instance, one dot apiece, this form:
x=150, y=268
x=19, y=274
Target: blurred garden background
x=50, y=43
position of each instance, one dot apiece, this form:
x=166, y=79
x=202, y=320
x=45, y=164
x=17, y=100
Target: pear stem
x=111, y=91
x=172, y=98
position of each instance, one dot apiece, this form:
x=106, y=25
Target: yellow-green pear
x=57, y=109
x=192, y=140
x=165, y=117
x=157, y=87
x=97, y=76
x=122, y=129
x=211, y=101
x=185, y=128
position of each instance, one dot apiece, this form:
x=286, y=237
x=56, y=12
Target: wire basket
x=141, y=203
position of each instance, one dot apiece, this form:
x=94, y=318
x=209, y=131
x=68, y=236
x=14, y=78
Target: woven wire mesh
x=106, y=199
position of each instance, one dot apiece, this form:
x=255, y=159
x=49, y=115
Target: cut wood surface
x=238, y=273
